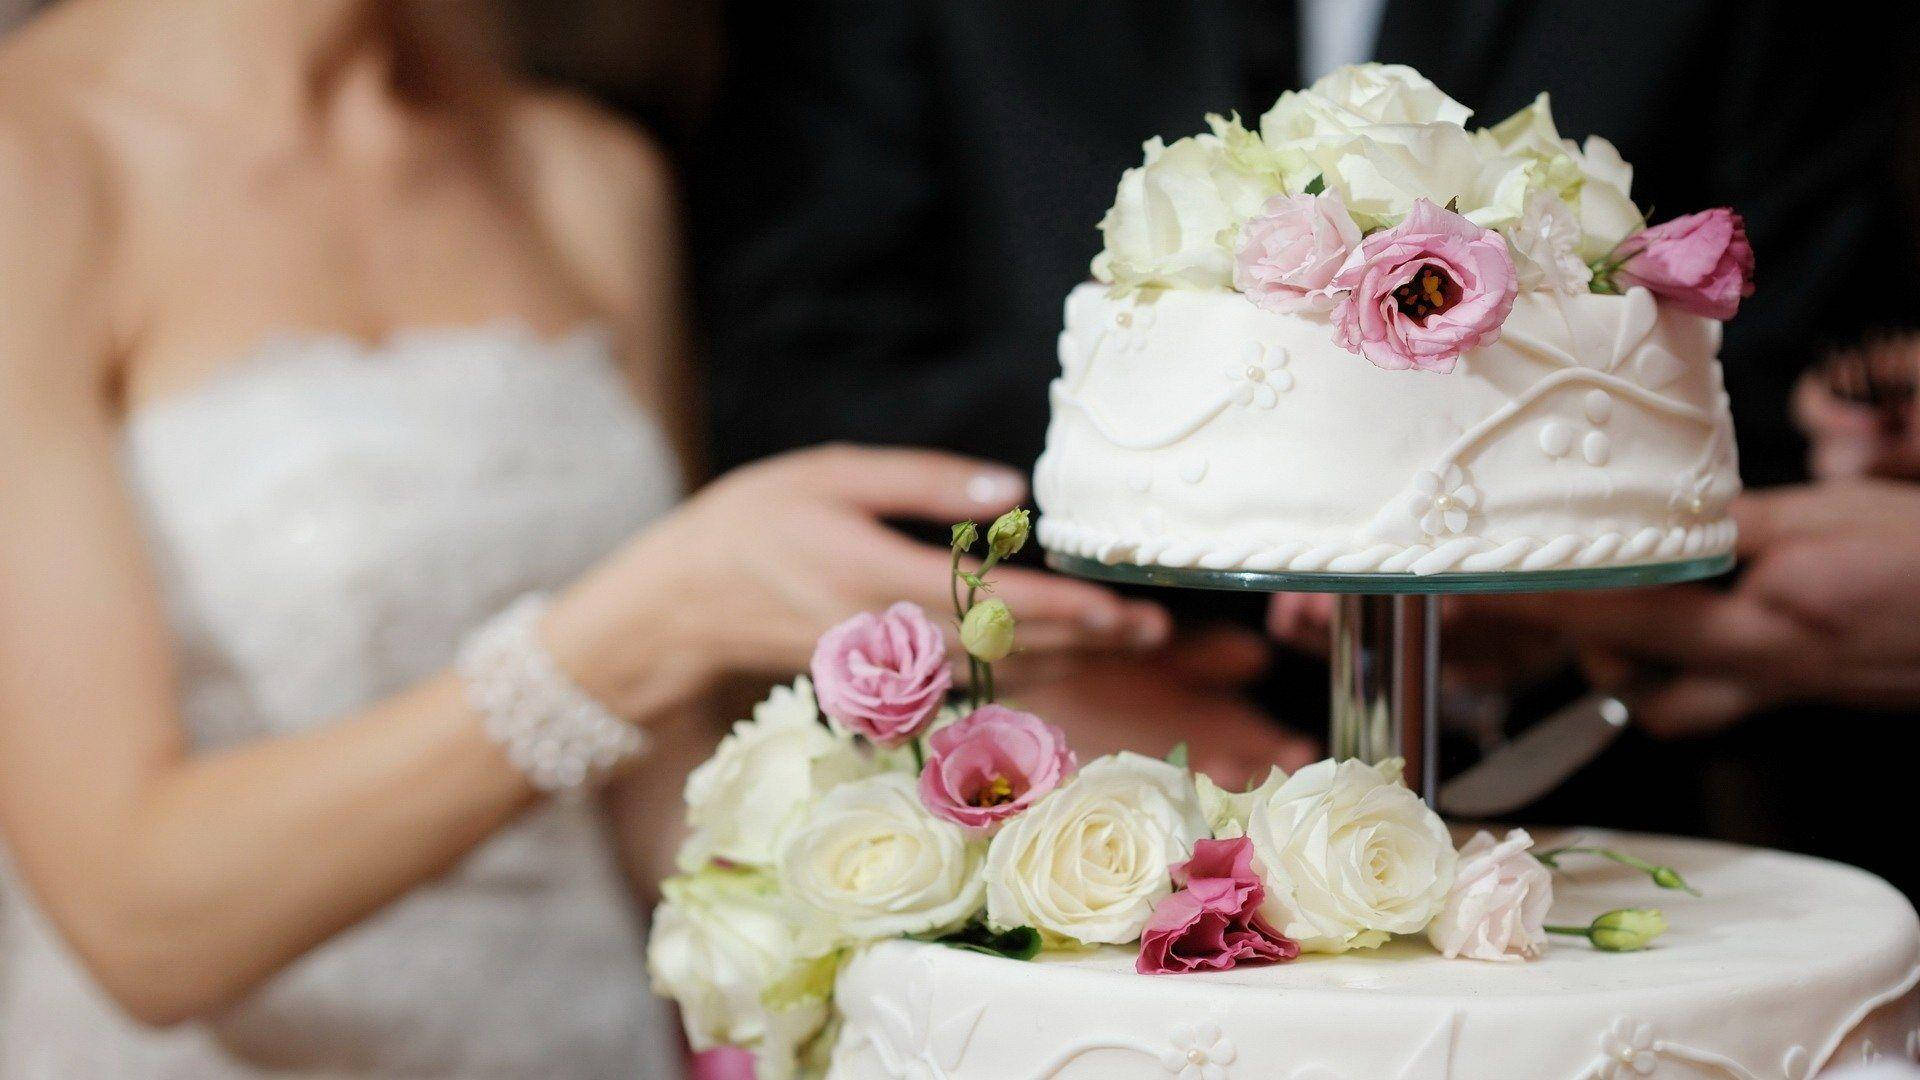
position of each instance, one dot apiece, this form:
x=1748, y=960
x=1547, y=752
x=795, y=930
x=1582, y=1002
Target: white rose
x=1088, y=862
x=1546, y=246
x=723, y=946
x=868, y=861
x=1173, y=218
x=1381, y=171
x=757, y=781
x=1350, y=856
x=1348, y=98
x=1497, y=908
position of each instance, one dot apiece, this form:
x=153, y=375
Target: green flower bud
x=964, y=534
x=1009, y=534
x=1627, y=930
x=987, y=631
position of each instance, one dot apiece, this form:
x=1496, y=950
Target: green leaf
x=1316, y=185
x=1177, y=757
x=1019, y=943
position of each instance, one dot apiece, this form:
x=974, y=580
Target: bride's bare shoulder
x=603, y=187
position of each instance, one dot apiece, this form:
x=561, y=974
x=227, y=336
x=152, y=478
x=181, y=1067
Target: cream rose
x=757, y=781
x=1088, y=862
x=1607, y=213
x=1350, y=856
x=1174, y=216
x=723, y=946
x=1497, y=908
x=1227, y=811
x=1349, y=98
x=868, y=861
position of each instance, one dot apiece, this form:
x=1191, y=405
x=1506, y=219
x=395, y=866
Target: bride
x=322, y=343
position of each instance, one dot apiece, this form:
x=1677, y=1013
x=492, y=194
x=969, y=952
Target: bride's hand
x=751, y=570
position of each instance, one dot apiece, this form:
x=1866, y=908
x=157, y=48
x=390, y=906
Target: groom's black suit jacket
x=897, y=194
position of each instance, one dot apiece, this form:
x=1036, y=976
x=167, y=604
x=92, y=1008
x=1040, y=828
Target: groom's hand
x=1827, y=609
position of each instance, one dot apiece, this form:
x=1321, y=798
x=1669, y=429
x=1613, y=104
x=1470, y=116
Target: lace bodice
x=327, y=522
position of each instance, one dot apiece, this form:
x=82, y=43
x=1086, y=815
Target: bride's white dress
x=328, y=521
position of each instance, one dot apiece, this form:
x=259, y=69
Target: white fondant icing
x=1786, y=963
x=1313, y=455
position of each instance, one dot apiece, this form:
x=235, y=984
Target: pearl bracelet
x=550, y=729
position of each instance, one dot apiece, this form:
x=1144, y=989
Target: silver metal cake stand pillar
x=1385, y=682
x=1386, y=637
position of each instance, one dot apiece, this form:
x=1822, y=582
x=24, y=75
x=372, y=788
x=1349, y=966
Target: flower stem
x=1664, y=876
x=1570, y=931
x=919, y=755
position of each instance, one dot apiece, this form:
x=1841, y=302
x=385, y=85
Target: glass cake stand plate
x=1506, y=581
x=1385, y=655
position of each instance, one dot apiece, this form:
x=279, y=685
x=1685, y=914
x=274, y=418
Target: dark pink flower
x=883, y=676
x=1701, y=262
x=1423, y=292
x=991, y=765
x=1213, y=918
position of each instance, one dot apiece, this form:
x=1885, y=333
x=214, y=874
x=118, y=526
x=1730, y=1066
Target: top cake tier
x=1192, y=428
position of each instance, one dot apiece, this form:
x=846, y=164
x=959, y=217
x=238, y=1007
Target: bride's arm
x=184, y=880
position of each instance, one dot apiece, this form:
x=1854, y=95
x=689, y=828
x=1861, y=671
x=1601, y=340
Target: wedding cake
x=1363, y=338
x=1297, y=357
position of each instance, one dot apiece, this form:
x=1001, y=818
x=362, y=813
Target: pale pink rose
x=1701, y=262
x=1425, y=291
x=723, y=1063
x=1497, y=909
x=1290, y=251
x=1213, y=918
x=991, y=765
x=883, y=676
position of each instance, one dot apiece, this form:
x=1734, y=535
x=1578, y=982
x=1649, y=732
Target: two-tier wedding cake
x=1362, y=338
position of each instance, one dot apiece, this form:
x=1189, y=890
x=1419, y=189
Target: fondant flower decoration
x=1444, y=501
x=1701, y=262
x=1627, y=1051
x=1260, y=377
x=1288, y=254
x=1198, y=1052
x=992, y=765
x=1425, y=291
x=883, y=676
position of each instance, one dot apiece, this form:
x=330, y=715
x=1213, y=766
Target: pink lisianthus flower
x=991, y=765
x=883, y=676
x=1423, y=292
x=1702, y=262
x=1288, y=254
x=1213, y=919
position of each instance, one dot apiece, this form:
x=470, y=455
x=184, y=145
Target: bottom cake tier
x=1783, y=967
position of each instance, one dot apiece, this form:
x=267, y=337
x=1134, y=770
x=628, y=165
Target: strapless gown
x=327, y=521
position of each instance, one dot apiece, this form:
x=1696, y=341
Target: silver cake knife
x=1538, y=761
